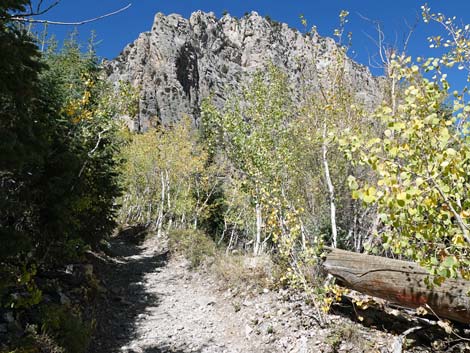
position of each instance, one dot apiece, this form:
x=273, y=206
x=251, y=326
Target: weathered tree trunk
x=400, y=282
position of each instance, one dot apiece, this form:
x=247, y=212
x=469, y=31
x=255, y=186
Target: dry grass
x=348, y=333
x=242, y=271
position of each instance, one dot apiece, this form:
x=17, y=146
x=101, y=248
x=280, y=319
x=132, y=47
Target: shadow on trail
x=125, y=299
x=397, y=324
x=128, y=300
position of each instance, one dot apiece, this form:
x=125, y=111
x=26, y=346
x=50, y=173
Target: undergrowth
x=55, y=329
x=241, y=271
x=194, y=245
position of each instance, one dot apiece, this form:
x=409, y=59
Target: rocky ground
x=154, y=303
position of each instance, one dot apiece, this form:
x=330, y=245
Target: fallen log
x=399, y=282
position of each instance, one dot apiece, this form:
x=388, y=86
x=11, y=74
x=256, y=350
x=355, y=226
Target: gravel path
x=155, y=304
x=187, y=318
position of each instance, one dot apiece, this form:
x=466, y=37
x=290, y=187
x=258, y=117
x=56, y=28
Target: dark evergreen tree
x=58, y=173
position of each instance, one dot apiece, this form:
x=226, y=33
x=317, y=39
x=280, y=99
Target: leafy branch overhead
x=421, y=161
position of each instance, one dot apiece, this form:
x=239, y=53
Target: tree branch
x=463, y=227
x=100, y=136
x=32, y=12
x=31, y=20
x=90, y=154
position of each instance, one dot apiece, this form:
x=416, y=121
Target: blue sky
x=117, y=31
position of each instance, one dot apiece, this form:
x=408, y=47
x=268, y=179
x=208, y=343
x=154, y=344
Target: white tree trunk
x=162, y=206
x=331, y=190
x=168, y=197
x=259, y=220
x=302, y=233
x=230, y=243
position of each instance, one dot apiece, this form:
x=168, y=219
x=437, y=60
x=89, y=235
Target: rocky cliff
x=180, y=62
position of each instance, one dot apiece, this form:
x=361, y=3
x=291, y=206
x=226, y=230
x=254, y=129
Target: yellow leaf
x=445, y=325
x=458, y=240
x=465, y=214
x=401, y=196
x=421, y=311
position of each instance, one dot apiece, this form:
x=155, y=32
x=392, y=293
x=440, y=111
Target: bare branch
x=30, y=20
x=411, y=29
x=90, y=154
x=41, y=12
x=38, y=8
x=100, y=136
x=397, y=346
x=32, y=12
x=380, y=41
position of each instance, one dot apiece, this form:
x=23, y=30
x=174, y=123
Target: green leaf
x=352, y=183
x=450, y=261
x=419, y=181
x=369, y=198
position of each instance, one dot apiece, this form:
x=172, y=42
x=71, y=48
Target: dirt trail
x=155, y=304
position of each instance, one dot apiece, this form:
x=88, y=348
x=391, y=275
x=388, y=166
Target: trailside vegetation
x=269, y=173
x=405, y=164
x=58, y=179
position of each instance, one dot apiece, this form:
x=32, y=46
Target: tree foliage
x=58, y=171
x=165, y=177
x=421, y=163
x=253, y=134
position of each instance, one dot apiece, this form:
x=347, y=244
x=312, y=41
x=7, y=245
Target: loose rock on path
x=155, y=304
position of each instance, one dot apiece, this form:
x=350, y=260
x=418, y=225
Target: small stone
x=64, y=300
x=9, y=317
x=88, y=270
x=101, y=289
x=116, y=291
x=69, y=269
x=301, y=346
x=248, y=330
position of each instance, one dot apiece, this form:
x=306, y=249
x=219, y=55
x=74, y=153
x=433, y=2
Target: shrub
x=66, y=327
x=194, y=245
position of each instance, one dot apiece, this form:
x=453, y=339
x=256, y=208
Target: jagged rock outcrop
x=180, y=62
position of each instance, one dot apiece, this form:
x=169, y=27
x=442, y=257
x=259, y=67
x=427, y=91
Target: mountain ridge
x=179, y=62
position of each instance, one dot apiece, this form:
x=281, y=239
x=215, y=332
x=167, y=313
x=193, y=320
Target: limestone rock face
x=180, y=62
